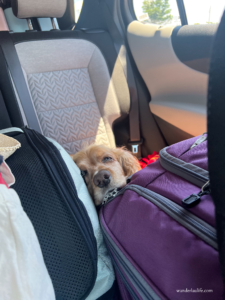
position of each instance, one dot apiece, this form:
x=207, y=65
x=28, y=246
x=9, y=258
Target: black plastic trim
x=4, y=116
x=182, y=12
x=14, y=4
x=8, y=94
x=67, y=21
x=192, y=45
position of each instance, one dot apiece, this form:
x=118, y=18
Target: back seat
x=76, y=83
x=74, y=80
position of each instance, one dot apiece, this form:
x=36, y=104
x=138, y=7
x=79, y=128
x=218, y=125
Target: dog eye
x=83, y=173
x=106, y=159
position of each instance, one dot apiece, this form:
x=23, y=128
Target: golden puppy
x=105, y=169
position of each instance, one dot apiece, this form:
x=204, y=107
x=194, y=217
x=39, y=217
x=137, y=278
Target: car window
x=162, y=12
x=204, y=11
x=77, y=9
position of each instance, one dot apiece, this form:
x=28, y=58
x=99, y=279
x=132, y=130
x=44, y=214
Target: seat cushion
x=71, y=90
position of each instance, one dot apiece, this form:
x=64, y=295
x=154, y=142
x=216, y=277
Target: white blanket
x=23, y=274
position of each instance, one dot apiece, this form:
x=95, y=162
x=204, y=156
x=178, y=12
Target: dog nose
x=102, y=178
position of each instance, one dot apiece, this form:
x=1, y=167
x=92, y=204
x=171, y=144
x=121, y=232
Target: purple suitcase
x=160, y=229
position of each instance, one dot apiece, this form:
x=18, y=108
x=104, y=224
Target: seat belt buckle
x=135, y=146
x=135, y=149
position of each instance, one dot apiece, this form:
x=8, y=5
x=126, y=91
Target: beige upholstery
x=188, y=121
x=174, y=87
x=24, y=9
x=72, y=92
x=3, y=23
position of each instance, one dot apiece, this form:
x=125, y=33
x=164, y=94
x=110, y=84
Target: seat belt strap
x=134, y=118
x=15, y=70
x=135, y=138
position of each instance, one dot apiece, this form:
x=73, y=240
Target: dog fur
x=119, y=162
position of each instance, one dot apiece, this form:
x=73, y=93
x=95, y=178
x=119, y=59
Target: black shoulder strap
x=17, y=75
x=216, y=135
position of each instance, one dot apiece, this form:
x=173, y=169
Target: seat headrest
x=25, y=9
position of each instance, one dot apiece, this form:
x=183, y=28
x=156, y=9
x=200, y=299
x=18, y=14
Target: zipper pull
x=199, y=141
x=110, y=195
x=194, y=199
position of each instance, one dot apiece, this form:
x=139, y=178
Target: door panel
x=190, y=122
x=178, y=91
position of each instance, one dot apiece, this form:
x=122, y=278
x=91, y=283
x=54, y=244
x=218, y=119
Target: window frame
x=182, y=12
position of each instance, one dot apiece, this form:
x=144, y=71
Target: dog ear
x=128, y=162
x=77, y=156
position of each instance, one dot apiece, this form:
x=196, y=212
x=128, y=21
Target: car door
x=174, y=63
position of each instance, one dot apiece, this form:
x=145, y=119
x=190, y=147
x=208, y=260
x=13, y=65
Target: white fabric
x=105, y=275
x=11, y=129
x=7, y=174
x=23, y=274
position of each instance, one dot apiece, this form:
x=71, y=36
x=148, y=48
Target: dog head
x=105, y=169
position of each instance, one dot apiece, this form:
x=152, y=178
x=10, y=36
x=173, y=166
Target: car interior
x=106, y=78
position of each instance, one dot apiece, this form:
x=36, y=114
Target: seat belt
x=134, y=122
x=15, y=70
x=134, y=118
x=216, y=136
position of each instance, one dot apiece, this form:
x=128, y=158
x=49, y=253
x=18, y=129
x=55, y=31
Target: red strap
x=151, y=158
x=2, y=181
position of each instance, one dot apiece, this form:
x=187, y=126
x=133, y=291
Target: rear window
x=162, y=12
x=204, y=11
x=165, y=12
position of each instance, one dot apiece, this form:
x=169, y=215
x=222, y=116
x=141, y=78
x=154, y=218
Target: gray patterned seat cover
x=71, y=91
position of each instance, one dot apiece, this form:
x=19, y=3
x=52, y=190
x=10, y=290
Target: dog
x=105, y=169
